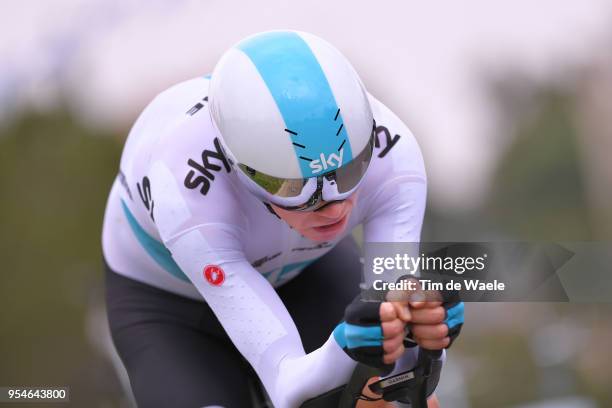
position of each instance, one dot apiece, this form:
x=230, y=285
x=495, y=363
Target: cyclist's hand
x=435, y=325
x=393, y=327
x=435, y=317
x=372, y=333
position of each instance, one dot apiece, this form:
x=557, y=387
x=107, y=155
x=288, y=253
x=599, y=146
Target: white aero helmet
x=294, y=118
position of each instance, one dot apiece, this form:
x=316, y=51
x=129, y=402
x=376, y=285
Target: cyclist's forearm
x=305, y=377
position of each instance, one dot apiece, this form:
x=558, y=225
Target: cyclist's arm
x=397, y=210
x=397, y=216
x=257, y=322
x=396, y=189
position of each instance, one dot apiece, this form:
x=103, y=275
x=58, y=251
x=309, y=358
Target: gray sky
x=428, y=61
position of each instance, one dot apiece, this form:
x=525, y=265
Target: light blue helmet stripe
x=304, y=98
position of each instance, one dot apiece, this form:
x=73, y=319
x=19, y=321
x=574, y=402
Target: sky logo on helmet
x=324, y=163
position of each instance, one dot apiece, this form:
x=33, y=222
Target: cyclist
x=229, y=186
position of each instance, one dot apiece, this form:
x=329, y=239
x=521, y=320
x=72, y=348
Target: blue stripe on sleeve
x=154, y=248
x=454, y=315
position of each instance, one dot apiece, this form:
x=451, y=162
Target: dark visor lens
x=280, y=187
x=345, y=178
x=348, y=176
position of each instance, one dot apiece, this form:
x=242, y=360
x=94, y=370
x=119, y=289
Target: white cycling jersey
x=177, y=219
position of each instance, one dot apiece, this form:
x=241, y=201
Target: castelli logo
x=214, y=275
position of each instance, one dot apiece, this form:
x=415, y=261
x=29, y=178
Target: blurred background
x=511, y=103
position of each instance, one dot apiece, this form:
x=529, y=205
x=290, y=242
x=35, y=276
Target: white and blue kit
x=178, y=219
x=175, y=208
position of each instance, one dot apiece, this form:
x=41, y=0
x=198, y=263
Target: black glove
x=360, y=334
